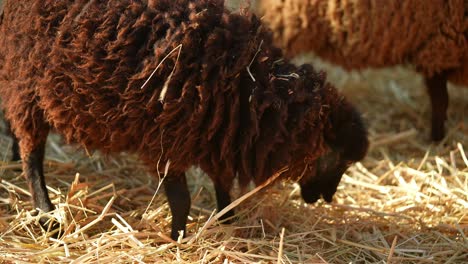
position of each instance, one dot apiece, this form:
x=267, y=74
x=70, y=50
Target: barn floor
x=407, y=202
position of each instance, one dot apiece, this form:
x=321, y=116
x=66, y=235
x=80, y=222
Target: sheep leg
x=223, y=199
x=34, y=172
x=32, y=150
x=437, y=89
x=178, y=197
x=14, y=147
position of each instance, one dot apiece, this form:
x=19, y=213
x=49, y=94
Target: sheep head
x=346, y=140
x=327, y=138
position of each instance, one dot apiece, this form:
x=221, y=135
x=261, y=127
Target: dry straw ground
x=407, y=202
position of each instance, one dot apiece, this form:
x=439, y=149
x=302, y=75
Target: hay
x=405, y=203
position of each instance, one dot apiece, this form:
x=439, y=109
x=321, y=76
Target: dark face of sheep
x=347, y=142
x=327, y=172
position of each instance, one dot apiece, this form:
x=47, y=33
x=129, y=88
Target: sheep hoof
x=48, y=222
x=51, y=226
x=175, y=234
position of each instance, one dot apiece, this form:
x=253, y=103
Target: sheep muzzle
x=324, y=179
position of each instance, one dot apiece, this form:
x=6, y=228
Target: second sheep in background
x=430, y=35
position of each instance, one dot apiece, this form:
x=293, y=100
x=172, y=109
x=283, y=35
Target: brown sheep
x=181, y=82
x=430, y=35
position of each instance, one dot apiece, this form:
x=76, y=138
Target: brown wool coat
x=180, y=81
